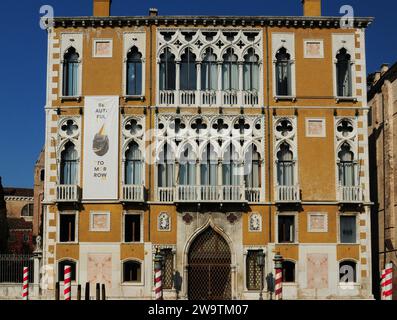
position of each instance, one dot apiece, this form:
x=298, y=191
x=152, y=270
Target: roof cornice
x=390, y=75
x=272, y=21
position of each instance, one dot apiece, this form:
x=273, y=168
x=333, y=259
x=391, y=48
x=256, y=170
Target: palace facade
x=213, y=140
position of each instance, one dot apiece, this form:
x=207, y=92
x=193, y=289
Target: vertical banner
x=101, y=145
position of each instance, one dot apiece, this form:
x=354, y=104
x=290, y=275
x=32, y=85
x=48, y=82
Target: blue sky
x=23, y=58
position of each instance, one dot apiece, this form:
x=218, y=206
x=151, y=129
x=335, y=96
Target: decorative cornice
x=214, y=21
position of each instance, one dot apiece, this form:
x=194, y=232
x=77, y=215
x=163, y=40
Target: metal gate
x=209, y=261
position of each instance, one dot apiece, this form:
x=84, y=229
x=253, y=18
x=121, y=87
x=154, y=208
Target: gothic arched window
x=346, y=166
x=230, y=168
x=285, y=166
x=230, y=71
x=209, y=71
x=188, y=74
x=133, y=165
x=252, y=168
x=167, y=70
x=283, y=73
x=69, y=164
x=71, y=73
x=187, y=167
x=344, y=74
x=208, y=167
x=134, y=72
x=251, y=71
x=166, y=167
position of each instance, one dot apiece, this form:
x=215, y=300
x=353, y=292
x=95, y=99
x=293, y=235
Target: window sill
x=346, y=99
x=133, y=98
x=348, y=244
x=71, y=98
x=68, y=243
x=132, y=242
x=132, y=284
x=285, y=98
x=287, y=243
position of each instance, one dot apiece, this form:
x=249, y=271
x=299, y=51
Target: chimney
x=153, y=12
x=311, y=8
x=102, y=8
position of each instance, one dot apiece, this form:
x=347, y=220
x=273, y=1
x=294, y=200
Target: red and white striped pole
x=25, y=285
x=158, y=282
x=388, y=282
x=67, y=283
x=382, y=285
x=278, y=266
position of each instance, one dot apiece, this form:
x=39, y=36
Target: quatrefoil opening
x=285, y=127
x=69, y=127
x=345, y=128
x=133, y=127
x=199, y=125
x=220, y=126
x=241, y=126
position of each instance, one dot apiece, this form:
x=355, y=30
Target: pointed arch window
x=209, y=71
x=230, y=71
x=71, y=64
x=230, y=168
x=347, y=176
x=187, y=167
x=167, y=70
x=133, y=165
x=208, y=167
x=69, y=165
x=252, y=168
x=283, y=73
x=134, y=72
x=251, y=71
x=285, y=166
x=166, y=167
x=188, y=73
x=344, y=74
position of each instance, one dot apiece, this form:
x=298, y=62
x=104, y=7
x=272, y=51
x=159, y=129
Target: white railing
x=167, y=97
x=253, y=194
x=353, y=194
x=68, y=193
x=187, y=97
x=165, y=194
x=133, y=193
x=250, y=98
x=186, y=193
x=232, y=193
x=288, y=193
x=229, y=97
x=208, y=97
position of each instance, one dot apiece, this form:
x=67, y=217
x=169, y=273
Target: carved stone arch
x=62, y=145
x=203, y=147
x=292, y=146
x=209, y=224
x=244, y=52
x=282, y=46
x=67, y=50
x=162, y=51
x=234, y=143
x=160, y=148
x=203, y=50
x=258, y=146
x=140, y=144
x=182, y=147
x=181, y=51
x=352, y=148
x=137, y=49
x=236, y=52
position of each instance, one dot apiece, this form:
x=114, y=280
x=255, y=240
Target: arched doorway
x=209, y=271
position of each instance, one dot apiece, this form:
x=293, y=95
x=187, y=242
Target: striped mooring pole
x=387, y=285
x=158, y=281
x=66, y=282
x=278, y=266
x=25, y=285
